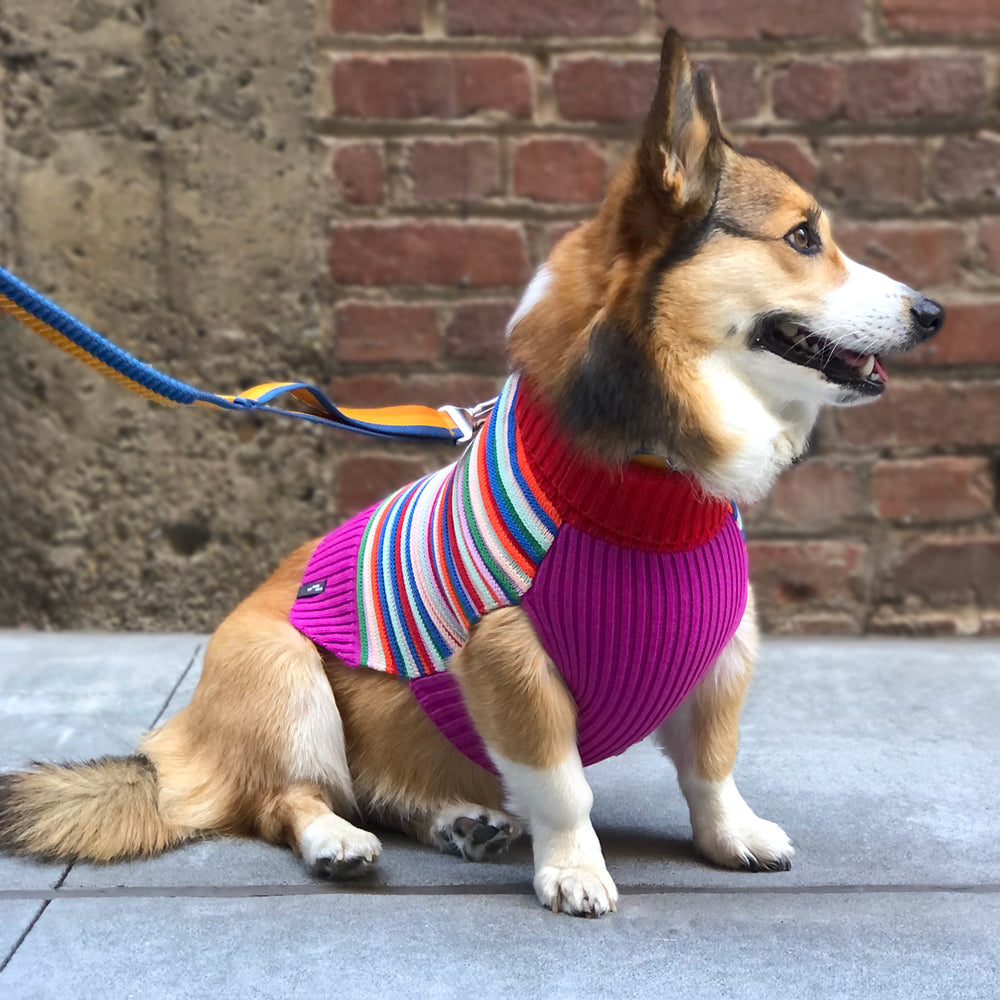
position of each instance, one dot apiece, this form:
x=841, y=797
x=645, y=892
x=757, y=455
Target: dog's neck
x=634, y=504
x=765, y=435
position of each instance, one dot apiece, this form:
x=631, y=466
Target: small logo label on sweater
x=313, y=589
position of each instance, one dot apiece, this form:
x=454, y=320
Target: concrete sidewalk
x=881, y=758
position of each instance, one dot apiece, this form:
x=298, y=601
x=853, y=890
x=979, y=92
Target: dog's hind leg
x=701, y=737
x=470, y=831
x=527, y=719
x=260, y=750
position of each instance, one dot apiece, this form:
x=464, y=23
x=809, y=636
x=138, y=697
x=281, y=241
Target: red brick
x=430, y=86
x=540, y=18
x=606, y=89
x=989, y=238
x=559, y=170
x=369, y=331
x=465, y=170
x=882, y=89
x=918, y=254
x=926, y=413
x=808, y=91
x=360, y=173
x=971, y=336
x=377, y=17
x=736, y=86
x=944, y=572
x=935, y=17
x=430, y=390
x=967, y=168
x=368, y=478
x=723, y=19
x=794, y=157
x=816, y=495
x=477, y=332
x=876, y=173
x=602, y=89
x=793, y=577
x=933, y=489
x=486, y=254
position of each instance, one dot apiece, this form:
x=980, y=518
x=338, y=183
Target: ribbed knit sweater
x=633, y=580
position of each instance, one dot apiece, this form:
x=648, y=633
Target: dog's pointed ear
x=683, y=146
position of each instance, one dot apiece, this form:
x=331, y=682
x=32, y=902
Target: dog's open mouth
x=791, y=342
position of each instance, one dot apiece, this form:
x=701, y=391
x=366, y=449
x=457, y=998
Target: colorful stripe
x=440, y=553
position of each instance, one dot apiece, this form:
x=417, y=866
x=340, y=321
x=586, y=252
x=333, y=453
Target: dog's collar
x=637, y=505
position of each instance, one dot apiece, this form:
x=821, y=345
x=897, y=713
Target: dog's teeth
x=868, y=367
x=799, y=340
x=788, y=330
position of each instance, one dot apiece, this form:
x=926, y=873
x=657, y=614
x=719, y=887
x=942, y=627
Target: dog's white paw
x=728, y=832
x=332, y=848
x=580, y=892
x=472, y=832
x=753, y=844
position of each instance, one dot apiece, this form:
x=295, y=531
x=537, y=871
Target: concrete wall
x=355, y=195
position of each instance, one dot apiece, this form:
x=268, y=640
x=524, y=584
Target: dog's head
x=706, y=313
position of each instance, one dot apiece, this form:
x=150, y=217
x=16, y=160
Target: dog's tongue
x=856, y=360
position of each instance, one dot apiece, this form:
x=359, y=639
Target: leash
x=455, y=424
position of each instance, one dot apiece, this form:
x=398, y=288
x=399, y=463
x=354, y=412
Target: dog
x=448, y=661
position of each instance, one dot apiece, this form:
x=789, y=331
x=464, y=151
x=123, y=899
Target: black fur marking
x=614, y=399
x=685, y=245
x=729, y=226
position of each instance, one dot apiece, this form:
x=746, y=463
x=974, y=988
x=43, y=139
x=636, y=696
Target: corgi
x=448, y=661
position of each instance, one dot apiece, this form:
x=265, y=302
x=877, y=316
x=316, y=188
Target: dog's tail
x=101, y=810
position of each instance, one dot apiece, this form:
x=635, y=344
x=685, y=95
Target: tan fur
x=512, y=689
x=715, y=708
x=104, y=810
x=400, y=786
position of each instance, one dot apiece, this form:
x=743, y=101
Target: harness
x=633, y=580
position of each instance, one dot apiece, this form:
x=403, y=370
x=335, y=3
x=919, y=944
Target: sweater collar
x=636, y=506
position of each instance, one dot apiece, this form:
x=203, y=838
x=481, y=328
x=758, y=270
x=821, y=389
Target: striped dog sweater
x=633, y=580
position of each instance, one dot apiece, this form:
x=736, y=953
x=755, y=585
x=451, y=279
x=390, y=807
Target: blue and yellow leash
x=449, y=423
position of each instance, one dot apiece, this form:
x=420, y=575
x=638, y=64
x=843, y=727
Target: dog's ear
x=683, y=147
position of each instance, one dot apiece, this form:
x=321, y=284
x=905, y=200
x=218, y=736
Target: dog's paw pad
x=334, y=849
x=576, y=891
x=474, y=834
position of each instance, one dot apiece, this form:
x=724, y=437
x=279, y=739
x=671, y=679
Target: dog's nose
x=928, y=317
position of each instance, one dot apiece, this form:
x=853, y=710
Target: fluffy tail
x=101, y=810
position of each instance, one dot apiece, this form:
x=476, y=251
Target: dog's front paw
x=334, y=849
x=728, y=832
x=751, y=843
x=580, y=892
x=474, y=833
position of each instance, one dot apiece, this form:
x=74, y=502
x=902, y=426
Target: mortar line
x=467, y=889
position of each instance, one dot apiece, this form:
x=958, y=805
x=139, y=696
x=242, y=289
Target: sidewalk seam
x=467, y=889
x=56, y=892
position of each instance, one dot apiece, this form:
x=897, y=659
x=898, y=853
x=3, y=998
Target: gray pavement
x=881, y=758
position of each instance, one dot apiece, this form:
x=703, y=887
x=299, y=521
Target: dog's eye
x=803, y=238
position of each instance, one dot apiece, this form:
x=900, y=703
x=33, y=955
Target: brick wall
x=357, y=194
x=462, y=137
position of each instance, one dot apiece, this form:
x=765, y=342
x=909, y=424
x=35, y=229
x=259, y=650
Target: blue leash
x=449, y=423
